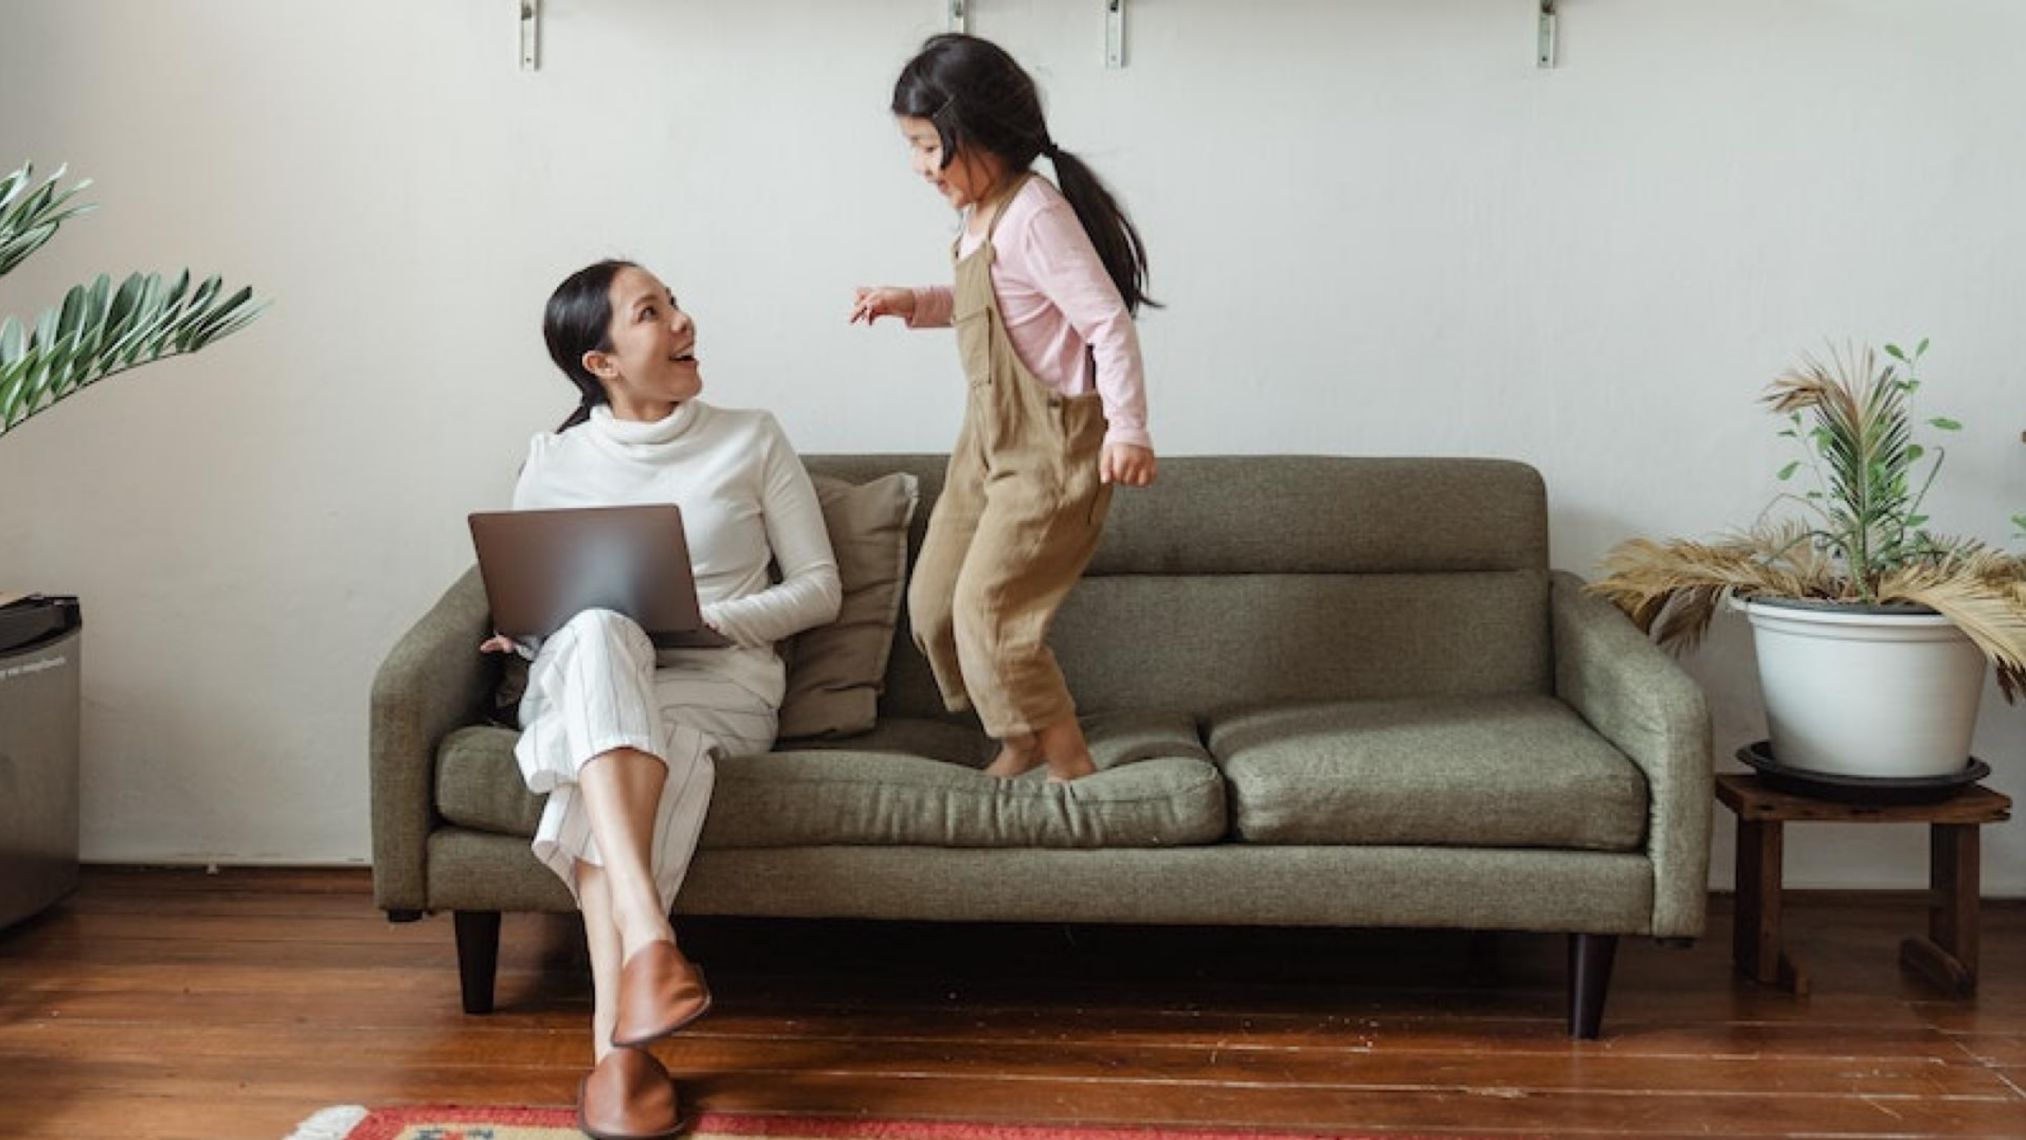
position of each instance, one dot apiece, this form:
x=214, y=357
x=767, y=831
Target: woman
x=621, y=738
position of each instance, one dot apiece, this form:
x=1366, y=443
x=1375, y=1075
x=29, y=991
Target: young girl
x=1047, y=282
x=623, y=739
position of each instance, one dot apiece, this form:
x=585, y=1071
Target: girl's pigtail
x=978, y=96
x=1111, y=232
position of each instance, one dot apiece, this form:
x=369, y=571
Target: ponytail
x=581, y=414
x=1111, y=232
x=976, y=94
x=578, y=320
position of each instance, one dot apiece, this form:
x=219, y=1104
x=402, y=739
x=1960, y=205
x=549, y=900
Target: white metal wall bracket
x=531, y=34
x=1114, y=33
x=1546, y=35
x=960, y=16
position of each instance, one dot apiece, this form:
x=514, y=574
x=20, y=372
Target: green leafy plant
x=1861, y=537
x=98, y=331
x=1861, y=450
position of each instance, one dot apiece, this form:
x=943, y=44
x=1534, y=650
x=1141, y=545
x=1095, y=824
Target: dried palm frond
x=1673, y=589
x=1866, y=540
x=1813, y=384
x=1984, y=596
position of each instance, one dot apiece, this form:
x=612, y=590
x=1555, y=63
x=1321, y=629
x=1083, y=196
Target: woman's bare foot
x=1018, y=755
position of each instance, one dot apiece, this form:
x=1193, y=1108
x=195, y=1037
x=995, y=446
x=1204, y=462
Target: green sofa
x=1321, y=691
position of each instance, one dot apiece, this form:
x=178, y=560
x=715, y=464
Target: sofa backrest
x=1243, y=579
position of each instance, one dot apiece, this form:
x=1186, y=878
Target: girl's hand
x=1126, y=463
x=870, y=303
x=497, y=643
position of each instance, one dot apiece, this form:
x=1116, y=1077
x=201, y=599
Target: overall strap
x=1006, y=201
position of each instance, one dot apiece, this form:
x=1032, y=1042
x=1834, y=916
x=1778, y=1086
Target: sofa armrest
x=433, y=680
x=1650, y=709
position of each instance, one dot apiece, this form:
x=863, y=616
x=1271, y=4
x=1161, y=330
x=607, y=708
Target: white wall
x=1378, y=227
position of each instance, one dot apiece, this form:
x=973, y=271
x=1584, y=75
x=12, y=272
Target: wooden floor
x=175, y=1004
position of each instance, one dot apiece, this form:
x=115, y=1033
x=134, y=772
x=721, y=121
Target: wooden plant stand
x=1947, y=957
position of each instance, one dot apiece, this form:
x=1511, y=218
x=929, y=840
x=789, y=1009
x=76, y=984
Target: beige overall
x=1018, y=519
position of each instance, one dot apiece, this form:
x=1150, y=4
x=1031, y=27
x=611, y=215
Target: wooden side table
x=1947, y=956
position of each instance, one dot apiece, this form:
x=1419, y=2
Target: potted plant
x=1872, y=632
x=98, y=331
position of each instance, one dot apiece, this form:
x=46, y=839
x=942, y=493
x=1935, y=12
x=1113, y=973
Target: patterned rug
x=351, y=1122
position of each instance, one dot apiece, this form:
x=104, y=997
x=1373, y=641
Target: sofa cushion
x=836, y=671
x=1211, y=643
x=1155, y=787
x=1405, y=577
x=1514, y=771
x=905, y=783
x=479, y=785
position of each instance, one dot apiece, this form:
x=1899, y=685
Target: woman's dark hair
x=579, y=320
x=976, y=95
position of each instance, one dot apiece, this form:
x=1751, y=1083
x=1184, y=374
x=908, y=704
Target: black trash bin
x=40, y=643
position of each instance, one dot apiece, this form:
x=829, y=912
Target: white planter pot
x=1862, y=691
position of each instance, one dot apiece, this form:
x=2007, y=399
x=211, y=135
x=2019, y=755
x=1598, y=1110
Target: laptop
x=542, y=568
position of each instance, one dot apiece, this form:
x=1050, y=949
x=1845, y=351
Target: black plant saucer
x=1879, y=790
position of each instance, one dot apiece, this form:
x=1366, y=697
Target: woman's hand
x=1127, y=463
x=498, y=643
x=870, y=303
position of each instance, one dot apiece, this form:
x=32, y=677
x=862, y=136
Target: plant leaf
x=29, y=219
x=99, y=331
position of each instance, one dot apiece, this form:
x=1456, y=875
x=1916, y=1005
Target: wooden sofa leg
x=477, y=957
x=1590, y=958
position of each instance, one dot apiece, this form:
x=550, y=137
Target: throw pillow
x=837, y=671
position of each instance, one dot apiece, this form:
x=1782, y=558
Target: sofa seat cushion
x=916, y=783
x=904, y=783
x=1513, y=771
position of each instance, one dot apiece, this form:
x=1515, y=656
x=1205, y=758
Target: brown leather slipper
x=628, y=1096
x=659, y=993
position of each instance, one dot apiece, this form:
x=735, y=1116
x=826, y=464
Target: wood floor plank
x=1184, y=1064
x=2003, y=1049
x=256, y=996
x=1202, y=1102
x=173, y=1004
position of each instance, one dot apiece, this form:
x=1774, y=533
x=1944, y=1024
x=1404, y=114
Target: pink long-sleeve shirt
x=1057, y=299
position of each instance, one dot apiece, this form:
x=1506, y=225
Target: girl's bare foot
x=1063, y=771
x=1018, y=755
x=1067, y=753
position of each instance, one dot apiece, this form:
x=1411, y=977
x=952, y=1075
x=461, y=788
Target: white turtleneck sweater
x=746, y=501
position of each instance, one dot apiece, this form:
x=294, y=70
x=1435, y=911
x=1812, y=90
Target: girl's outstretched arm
x=871, y=302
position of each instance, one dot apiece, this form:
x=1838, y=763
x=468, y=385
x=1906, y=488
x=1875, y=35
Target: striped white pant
x=595, y=687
